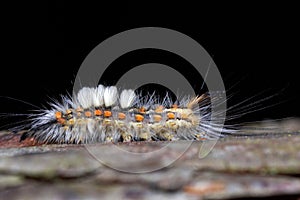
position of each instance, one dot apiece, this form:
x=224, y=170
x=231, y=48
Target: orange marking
x=159, y=109
x=142, y=110
x=121, y=115
x=61, y=120
x=98, y=112
x=139, y=118
x=68, y=111
x=58, y=115
x=157, y=118
x=107, y=113
x=88, y=113
x=171, y=115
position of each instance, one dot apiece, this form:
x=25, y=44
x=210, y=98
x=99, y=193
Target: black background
x=256, y=47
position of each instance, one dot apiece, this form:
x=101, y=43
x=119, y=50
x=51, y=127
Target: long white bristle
x=85, y=97
x=127, y=98
x=110, y=96
x=98, y=96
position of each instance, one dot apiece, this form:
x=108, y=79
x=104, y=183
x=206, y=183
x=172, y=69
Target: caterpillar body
x=102, y=114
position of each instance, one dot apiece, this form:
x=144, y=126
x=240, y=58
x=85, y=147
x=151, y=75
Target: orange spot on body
x=121, y=115
x=98, y=112
x=58, y=115
x=142, y=110
x=61, y=120
x=139, y=118
x=171, y=115
x=107, y=113
x=88, y=113
x=157, y=118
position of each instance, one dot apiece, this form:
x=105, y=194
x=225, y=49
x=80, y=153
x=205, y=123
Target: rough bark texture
x=254, y=166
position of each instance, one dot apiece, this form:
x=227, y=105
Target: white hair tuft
x=85, y=97
x=110, y=96
x=98, y=99
x=127, y=98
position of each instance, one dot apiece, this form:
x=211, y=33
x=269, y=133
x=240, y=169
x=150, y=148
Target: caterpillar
x=104, y=114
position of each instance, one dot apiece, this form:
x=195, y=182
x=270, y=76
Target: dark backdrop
x=255, y=47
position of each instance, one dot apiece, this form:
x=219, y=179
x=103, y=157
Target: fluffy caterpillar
x=103, y=114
